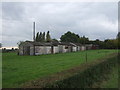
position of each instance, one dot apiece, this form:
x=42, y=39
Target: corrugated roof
x=52, y=43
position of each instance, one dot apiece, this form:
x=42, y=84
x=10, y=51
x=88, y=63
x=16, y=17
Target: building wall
x=48, y=50
x=31, y=50
x=56, y=49
x=65, y=49
x=69, y=48
x=60, y=48
x=38, y=50
x=42, y=50
x=74, y=48
x=83, y=48
x=20, y=50
x=78, y=48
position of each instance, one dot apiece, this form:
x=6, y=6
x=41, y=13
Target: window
x=66, y=47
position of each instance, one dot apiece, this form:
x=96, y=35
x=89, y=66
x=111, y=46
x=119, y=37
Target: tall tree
x=83, y=40
x=48, y=38
x=69, y=37
x=54, y=40
x=40, y=37
x=0, y=45
x=37, y=37
x=43, y=37
x=118, y=35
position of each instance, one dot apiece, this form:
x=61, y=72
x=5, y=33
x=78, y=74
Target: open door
x=26, y=50
x=52, y=49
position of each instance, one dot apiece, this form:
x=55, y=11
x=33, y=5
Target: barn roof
x=39, y=43
x=50, y=43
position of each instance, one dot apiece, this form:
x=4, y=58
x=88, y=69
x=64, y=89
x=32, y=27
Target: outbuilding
x=38, y=48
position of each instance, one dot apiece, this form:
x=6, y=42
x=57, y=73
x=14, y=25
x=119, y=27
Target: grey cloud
x=12, y=11
x=95, y=20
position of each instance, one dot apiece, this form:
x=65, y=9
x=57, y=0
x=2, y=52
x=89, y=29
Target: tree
x=118, y=35
x=43, y=37
x=37, y=37
x=118, y=40
x=110, y=44
x=40, y=37
x=48, y=38
x=0, y=45
x=83, y=40
x=69, y=37
x=54, y=40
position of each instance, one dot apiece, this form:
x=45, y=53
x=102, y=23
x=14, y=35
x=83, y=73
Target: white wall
x=74, y=48
x=31, y=50
x=21, y=50
x=56, y=49
x=78, y=48
x=83, y=48
x=60, y=48
x=42, y=50
x=48, y=50
x=65, y=49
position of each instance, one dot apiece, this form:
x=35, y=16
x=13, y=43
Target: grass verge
x=87, y=78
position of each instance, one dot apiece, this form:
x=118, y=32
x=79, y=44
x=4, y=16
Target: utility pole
x=34, y=31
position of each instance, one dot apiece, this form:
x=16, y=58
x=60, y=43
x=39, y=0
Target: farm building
x=91, y=46
x=38, y=48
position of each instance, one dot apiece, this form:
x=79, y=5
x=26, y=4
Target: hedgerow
x=88, y=77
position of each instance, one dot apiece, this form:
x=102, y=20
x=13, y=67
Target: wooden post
x=86, y=50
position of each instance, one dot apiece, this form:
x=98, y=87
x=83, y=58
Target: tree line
x=41, y=37
x=75, y=38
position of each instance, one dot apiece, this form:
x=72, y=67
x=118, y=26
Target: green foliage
x=83, y=40
x=20, y=69
x=111, y=44
x=40, y=37
x=37, y=37
x=48, y=38
x=88, y=77
x=75, y=38
x=113, y=80
x=0, y=45
x=118, y=35
x=69, y=37
x=43, y=37
x=54, y=40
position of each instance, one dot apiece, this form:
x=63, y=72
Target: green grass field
x=113, y=79
x=20, y=69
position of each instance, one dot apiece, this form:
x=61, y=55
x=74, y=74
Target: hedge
x=88, y=77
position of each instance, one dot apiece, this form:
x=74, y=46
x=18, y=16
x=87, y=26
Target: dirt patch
x=40, y=83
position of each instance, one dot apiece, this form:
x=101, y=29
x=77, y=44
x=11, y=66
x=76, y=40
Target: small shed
x=37, y=48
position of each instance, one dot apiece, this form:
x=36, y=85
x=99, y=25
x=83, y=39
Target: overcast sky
x=96, y=20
